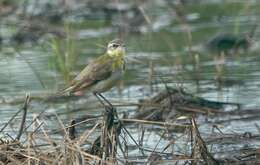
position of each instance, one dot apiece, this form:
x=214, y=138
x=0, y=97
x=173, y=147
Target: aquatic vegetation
x=64, y=55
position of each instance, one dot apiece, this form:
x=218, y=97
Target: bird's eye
x=115, y=45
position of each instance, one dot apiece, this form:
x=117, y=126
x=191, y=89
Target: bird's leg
x=99, y=99
x=103, y=97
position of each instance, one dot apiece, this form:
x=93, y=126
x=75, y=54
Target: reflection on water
x=163, y=53
x=29, y=71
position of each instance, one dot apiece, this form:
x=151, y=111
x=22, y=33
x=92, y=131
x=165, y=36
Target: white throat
x=110, y=53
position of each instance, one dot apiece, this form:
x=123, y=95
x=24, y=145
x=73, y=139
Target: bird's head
x=116, y=48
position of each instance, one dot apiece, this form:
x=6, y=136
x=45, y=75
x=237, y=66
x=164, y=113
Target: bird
x=102, y=73
x=226, y=42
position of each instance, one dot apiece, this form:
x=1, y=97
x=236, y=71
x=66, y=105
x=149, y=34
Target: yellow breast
x=118, y=63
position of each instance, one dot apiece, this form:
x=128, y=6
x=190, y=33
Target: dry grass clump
x=40, y=147
x=170, y=103
x=110, y=140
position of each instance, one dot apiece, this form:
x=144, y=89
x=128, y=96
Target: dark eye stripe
x=115, y=45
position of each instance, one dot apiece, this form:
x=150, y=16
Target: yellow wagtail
x=102, y=73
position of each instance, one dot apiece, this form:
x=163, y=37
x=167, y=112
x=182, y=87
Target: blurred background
x=208, y=47
x=211, y=47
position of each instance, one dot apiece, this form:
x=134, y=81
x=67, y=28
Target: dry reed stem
x=155, y=122
x=63, y=128
x=48, y=139
x=86, y=134
x=199, y=147
x=25, y=106
x=76, y=124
